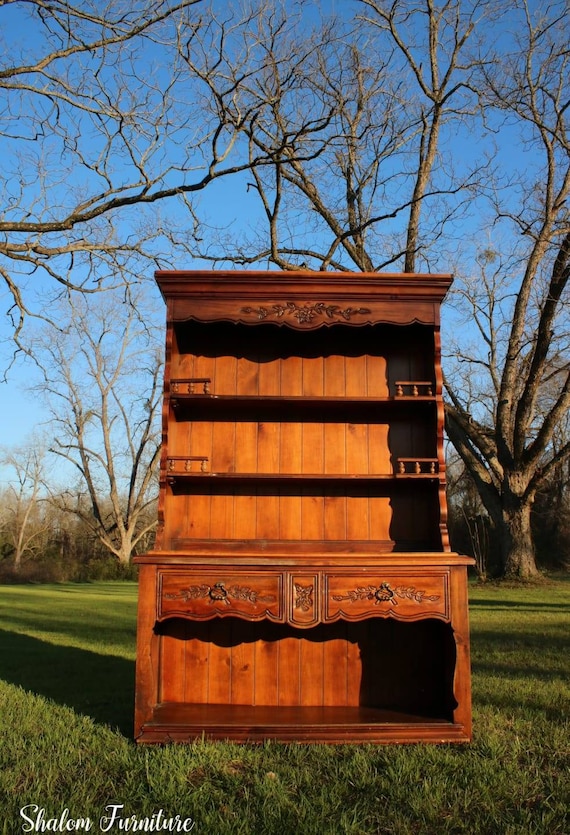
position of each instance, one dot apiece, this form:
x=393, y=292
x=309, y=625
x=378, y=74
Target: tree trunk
x=517, y=554
x=124, y=551
x=17, y=560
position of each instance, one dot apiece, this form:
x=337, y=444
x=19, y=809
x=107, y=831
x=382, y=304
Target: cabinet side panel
x=148, y=650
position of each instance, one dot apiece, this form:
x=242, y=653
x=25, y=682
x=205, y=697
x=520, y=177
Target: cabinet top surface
x=174, y=282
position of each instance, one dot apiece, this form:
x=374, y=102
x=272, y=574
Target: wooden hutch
x=302, y=587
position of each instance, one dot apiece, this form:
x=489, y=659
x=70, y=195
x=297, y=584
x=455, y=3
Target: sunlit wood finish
x=302, y=586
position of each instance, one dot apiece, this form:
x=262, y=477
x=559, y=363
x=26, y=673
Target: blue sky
x=21, y=411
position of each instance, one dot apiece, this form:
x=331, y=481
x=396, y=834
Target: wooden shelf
x=261, y=399
x=283, y=409
x=301, y=477
x=246, y=723
x=288, y=480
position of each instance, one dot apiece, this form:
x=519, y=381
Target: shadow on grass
x=521, y=653
x=508, y=668
x=531, y=606
x=99, y=686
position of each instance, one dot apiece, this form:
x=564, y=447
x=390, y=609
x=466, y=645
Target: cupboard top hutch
x=302, y=584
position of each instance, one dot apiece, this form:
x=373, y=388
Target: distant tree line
x=42, y=542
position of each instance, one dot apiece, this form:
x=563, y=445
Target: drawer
x=386, y=593
x=204, y=594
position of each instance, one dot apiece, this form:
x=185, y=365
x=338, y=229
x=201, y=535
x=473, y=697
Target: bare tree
x=348, y=120
x=25, y=525
x=519, y=300
x=102, y=377
x=102, y=124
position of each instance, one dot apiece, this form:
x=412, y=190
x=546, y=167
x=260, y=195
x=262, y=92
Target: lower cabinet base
x=175, y=722
x=355, y=652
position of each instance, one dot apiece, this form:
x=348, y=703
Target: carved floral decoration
x=303, y=597
x=305, y=314
x=384, y=593
x=218, y=593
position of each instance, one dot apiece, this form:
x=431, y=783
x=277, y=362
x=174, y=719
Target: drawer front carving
x=302, y=599
x=386, y=594
x=218, y=592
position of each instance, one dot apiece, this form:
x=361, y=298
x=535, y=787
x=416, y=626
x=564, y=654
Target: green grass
x=66, y=698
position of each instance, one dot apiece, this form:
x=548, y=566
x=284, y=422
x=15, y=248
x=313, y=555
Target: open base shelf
x=172, y=722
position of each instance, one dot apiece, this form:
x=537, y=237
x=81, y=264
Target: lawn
x=66, y=752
